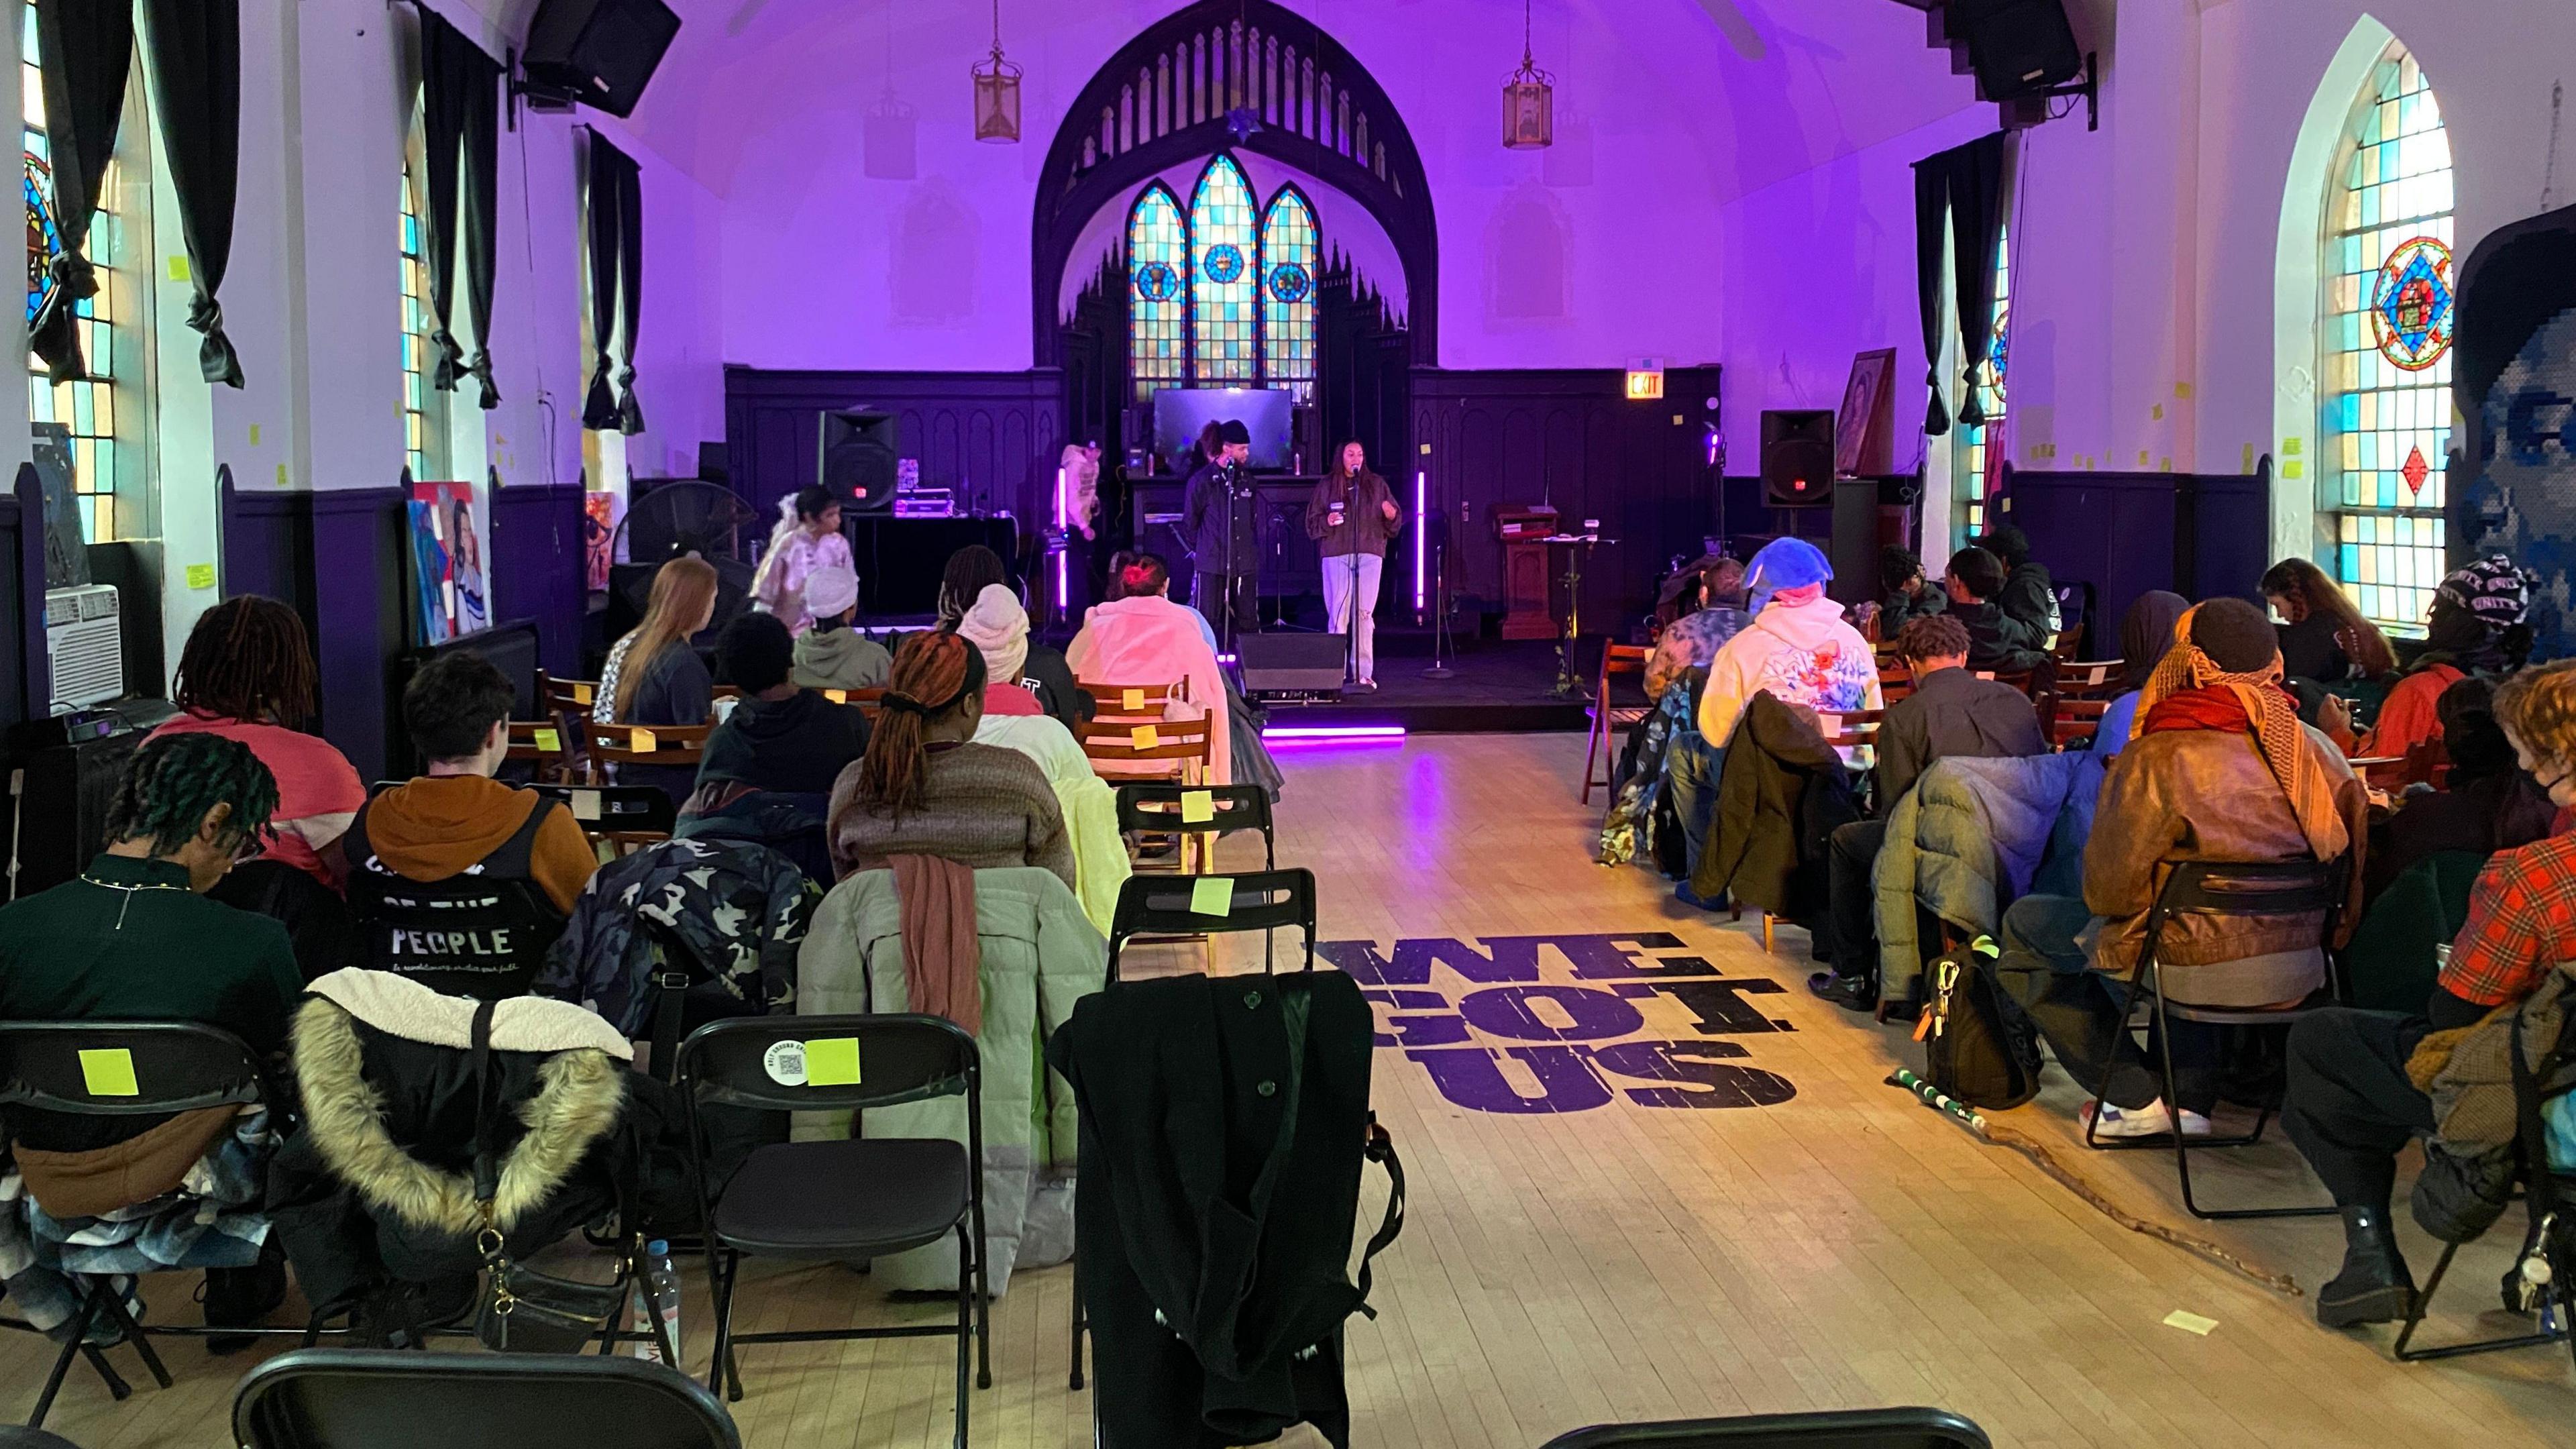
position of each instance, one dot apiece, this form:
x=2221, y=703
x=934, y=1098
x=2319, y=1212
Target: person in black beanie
x=1219, y=515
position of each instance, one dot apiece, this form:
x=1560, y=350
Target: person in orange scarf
x=2219, y=769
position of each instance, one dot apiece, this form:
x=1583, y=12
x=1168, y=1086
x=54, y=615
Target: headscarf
x=830, y=591
x=1790, y=566
x=1000, y=627
x=2146, y=632
x=2277, y=732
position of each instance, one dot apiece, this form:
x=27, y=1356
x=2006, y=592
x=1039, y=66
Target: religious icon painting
x=2411, y=307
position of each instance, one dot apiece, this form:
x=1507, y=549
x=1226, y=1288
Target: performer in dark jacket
x=1219, y=514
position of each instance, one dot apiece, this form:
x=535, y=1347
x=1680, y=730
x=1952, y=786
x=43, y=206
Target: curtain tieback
x=216, y=360
x=481, y=371
x=73, y=273
x=599, y=406
x=451, y=361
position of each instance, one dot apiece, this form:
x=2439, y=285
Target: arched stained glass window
x=1222, y=245
x=1288, y=291
x=86, y=407
x=2385, y=353
x=1158, y=269
x=1980, y=446
x=424, y=407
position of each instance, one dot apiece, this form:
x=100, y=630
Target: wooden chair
x=1125, y=751
x=2091, y=678
x=566, y=698
x=2424, y=763
x=545, y=744
x=1895, y=681
x=666, y=746
x=871, y=702
x=1617, y=660
x=2065, y=721
x=621, y=818
x=1849, y=731
x=1134, y=701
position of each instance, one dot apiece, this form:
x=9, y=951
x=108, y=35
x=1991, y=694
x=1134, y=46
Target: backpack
x=1975, y=1048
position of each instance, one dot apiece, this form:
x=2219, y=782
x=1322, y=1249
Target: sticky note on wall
x=201, y=576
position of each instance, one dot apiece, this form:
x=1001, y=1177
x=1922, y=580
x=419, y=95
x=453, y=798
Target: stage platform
x=1495, y=688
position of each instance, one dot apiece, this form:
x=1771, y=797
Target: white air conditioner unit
x=85, y=644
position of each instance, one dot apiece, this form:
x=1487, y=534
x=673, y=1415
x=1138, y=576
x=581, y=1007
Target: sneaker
x=1365, y=686
x=2151, y=1120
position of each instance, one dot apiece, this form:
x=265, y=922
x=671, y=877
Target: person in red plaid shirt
x=2351, y=1107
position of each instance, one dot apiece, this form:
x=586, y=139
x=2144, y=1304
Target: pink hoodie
x=1148, y=640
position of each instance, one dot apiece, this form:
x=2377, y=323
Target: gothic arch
x=1161, y=102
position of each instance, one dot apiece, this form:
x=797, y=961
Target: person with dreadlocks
x=924, y=788
x=2219, y=769
x=247, y=674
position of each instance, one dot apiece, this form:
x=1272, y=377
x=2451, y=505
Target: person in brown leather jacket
x=2219, y=769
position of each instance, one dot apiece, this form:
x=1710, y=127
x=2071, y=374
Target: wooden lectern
x=1523, y=529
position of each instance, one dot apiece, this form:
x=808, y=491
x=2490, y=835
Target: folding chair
x=2559, y=1292
x=662, y=746
x=2271, y=888
x=1833, y=1429
x=621, y=817
x=19, y=1436
x=84, y=1068
x=1161, y=808
x=864, y=1197
x=1157, y=907
x=1617, y=660
x=328, y=1398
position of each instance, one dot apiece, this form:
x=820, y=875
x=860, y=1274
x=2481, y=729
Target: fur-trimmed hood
x=383, y=1061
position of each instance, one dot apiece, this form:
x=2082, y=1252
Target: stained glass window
x=2385, y=354
x=1976, y=457
x=1224, y=342
x=88, y=407
x=1158, y=264
x=424, y=409
x=1288, y=291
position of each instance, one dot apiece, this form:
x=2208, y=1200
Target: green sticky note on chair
x=1198, y=807
x=1212, y=895
x=109, y=1072
x=832, y=1061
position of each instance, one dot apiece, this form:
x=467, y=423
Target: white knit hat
x=999, y=627
x=830, y=591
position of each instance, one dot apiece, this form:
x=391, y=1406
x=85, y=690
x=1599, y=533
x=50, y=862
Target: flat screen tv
x=1180, y=412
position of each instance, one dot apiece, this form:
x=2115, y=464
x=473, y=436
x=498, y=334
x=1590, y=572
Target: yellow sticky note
x=837, y=696
x=581, y=694
x=201, y=576
x=1144, y=737
x=549, y=740
x=2292, y=468
x=1132, y=701
x=641, y=741
x=1212, y=895
x=832, y=1061
x=109, y=1072
x=281, y=475
x=2190, y=1322
x=254, y=435
x=179, y=269
x=585, y=804
x=2290, y=447
x=1198, y=807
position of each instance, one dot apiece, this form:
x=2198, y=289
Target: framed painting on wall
x=1864, y=429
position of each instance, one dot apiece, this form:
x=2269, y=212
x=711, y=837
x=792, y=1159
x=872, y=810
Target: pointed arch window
x=1158, y=269
x=1221, y=293
x=1226, y=257
x=424, y=408
x=2385, y=349
x=1288, y=289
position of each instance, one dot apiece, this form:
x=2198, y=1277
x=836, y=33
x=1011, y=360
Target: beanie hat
x=999, y=627
x=1785, y=563
x=1232, y=431
x=2492, y=588
x=2235, y=635
x=830, y=591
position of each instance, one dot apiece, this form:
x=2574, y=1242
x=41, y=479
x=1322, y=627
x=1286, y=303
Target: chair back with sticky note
x=865, y=1061
x=623, y=817
x=1159, y=807
x=661, y=746
x=126, y=1068
x=1170, y=906
x=1161, y=749
x=545, y=744
x=1135, y=701
x=320, y=1396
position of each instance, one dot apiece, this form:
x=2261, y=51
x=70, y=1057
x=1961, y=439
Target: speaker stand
x=1443, y=647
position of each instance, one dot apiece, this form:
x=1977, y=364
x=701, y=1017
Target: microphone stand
x=1232, y=474
x=1440, y=611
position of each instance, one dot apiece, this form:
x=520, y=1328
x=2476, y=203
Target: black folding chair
x=1158, y=906
x=2276, y=888
x=867, y=1197
x=19, y=1436
x=174, y=1066
x=623, y=815
x=342, y=1398
x=1158, y=807
x=1833, y=1429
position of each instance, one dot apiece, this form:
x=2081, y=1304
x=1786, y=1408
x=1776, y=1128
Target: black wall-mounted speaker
x=1798, y=457
x=2017, y=47
x=854, y=457
x=601, y=52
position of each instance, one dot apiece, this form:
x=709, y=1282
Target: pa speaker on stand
x=1798, y=457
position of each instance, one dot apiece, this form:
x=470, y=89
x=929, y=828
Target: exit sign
x=1645, y=385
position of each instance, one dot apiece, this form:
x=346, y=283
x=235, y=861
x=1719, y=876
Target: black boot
x=1851, y=993
x=242, y=1297
x=2374, y=1286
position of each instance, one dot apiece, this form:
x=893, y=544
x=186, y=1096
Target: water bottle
x=657, y=1298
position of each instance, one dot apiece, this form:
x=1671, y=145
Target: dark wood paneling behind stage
x=536, y=568
x=1569, y=437
x=993, y=437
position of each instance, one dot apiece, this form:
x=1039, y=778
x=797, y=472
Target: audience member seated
x=830, y=654
x=925, y=788
x=1710, y=611
x=2323, y=636
x=654, y=675
x=2488, y=804
x=2474, y=625
x=1951, y=714
x=247, y=674
x=999, y=629
x=2146, y=632
x=2029, y=594
x=459, y=881
x=1903, y=593
x=806, y=540
x=1997, y=642
x=135, y=939
x=971, y=572
x=2354, y=1102
x=1141, y=637
x=778, y=737
x=2221, y=770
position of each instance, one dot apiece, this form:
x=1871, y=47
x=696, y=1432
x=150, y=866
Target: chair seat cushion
x=861, y=1197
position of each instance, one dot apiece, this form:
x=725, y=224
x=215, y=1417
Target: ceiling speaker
x=1798, y=457
x=600, y=52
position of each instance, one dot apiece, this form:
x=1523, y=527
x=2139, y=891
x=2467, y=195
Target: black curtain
x=460, y=120
x=85, y=48
x=616, y=271
x=1964, y=187
x=194, y=49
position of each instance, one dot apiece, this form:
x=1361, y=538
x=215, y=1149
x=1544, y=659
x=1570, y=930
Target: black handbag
x=518, y=1309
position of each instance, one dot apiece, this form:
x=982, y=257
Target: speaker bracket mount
x=2023, y=112
x=549, y=99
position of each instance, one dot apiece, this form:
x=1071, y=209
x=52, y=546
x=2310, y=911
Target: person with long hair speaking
x=1353, y=515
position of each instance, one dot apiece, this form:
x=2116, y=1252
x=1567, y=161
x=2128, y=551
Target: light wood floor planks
x=1846, y=1247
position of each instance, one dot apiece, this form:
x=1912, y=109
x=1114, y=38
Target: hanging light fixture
x=997, y=91
x=1529, y=100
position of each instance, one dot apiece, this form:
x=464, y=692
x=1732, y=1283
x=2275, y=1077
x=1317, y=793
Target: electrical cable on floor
x=2047, y=1161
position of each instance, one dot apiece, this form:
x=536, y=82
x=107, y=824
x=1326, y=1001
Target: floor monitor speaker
x=1798, y=457
x=1276, y=664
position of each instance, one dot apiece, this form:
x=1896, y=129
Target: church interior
x=1650, y=722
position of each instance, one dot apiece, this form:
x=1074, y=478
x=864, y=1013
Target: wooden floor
x=1844, y=1247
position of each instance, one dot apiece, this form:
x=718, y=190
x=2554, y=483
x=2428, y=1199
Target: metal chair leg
x=134, y=1334
x=2404, y=1352
x=117, y=1388
x=1074, y=1382
x=965, y=1327
x=63, y=1360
